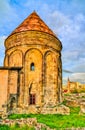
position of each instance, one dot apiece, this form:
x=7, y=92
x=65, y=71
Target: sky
x=67, y=20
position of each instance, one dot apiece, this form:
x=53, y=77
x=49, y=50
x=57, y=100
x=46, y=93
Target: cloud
x=5, y=9
x=65, y=80
x=70, y=30
x=2, y=49
x=79, y=67
x=74, y=77
x=65, y=18
x=8, y=17
x=78, y=77
x=67, y=71
x=4, y=6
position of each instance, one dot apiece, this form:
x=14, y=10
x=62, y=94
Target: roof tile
x=33, y=22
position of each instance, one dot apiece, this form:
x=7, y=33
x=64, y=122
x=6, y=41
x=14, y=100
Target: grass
x=57, y=120
x=52, y=120
x=62, y=121
x=4, y=127
x=18, y=116
x=24, y=127
x=83, y=96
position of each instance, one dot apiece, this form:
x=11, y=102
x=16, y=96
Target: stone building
x=31, y=79
x=74, y=87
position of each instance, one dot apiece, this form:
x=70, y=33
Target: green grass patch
x=62, y=121
x=4, y=127
x=24, y=127
x=74, y=110
x=19, y=116
x=66, y=94
x=83, y=96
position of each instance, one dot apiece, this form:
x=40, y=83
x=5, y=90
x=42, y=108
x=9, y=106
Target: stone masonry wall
x=3, y=87
x=43, y=50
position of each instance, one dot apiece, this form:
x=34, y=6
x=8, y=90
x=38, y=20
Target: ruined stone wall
x=3, y=87
x=13, y=82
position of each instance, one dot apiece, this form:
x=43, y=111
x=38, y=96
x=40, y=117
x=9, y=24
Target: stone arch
x=51, y=64
x=15, y=58
x=6, y=60
x=33, y=57
x=51, y=78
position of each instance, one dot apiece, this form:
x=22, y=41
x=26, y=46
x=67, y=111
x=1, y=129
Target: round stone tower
x=35, y=48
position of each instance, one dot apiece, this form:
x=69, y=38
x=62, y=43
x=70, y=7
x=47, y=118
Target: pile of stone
x=59, y=109
x=76, y=100
x=27, y=121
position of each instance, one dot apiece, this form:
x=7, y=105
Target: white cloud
x=2, y=38
x=79, y=67
x=8, y=17
x=2, y=49
x=78, y=77
x=65, y=80
x=5, y=9
x=72, y=34
x=69, y=28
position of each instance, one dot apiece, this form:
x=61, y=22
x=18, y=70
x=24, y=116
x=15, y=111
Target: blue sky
x=65, y=17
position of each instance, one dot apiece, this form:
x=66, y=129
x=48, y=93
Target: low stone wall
x=28, y=121
x=58, y=109
x=82, y=108
x=32, y=122
x=76, y=100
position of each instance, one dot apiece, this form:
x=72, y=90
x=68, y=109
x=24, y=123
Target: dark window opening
x=32, y=67
x=32, y=98
x=13, y=101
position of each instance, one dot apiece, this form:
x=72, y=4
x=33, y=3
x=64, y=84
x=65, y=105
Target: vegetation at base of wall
x=82, y=91
x=19, y=116
x=74, y=91
x=83, y=96
x=4, y=127
x=16, y=127
x=74, y=110
x=64, y=102
x=57, y=120
x=66, y=94
x=24, y=127
x=78, y=91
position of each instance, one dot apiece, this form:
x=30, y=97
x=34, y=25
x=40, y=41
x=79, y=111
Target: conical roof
x=33, y=22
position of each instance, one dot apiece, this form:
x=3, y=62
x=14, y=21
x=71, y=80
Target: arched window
x=32, y=67
x=32, y=99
